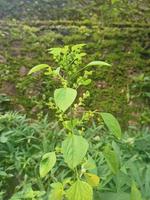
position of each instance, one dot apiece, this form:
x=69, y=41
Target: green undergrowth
x=24, y=141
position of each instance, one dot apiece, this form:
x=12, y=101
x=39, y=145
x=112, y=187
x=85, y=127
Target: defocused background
x=113, y=30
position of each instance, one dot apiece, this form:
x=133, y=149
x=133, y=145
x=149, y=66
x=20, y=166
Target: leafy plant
x=22, y=143
x=34, y=139
x=74, y=148
x=79, y=159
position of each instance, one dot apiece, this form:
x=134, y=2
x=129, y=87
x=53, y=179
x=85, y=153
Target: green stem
x=77, y=175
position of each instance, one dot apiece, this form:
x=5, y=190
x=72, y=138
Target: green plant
x=75, y=158
x=21, y=150
x=24, y=141
x=122, y=162
x=79, y=180
x=4, y=103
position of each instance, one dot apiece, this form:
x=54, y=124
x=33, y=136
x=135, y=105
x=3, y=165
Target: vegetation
x=76, y=126
x=127, y=51
x=21, y=151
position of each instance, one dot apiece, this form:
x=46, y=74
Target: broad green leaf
x=92, y=179
x=38, y=68
x=47, y=163
x=74, y=149
x=135, y=193
x=56, y=192
x=111, y=159
x=112, y=124
x=80, y=191
x=64, y=97
x=98, y=63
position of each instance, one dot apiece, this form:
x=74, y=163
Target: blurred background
x=115, y=31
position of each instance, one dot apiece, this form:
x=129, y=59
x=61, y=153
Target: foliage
x=21, y=150
x=21, y=160
x=113, y=168
x=129, y=57
x=132, y=165
x=80, y=190
x=74, y=158
x=74, y=147
x=4, y=102
x=112, y=124
x=140, y=90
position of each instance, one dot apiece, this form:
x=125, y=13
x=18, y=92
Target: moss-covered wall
x=106, y=11
x=23, y=45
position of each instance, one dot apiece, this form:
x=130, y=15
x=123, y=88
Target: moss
x=124, y=49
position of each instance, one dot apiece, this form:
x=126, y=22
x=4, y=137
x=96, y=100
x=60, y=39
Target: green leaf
x=74, y=149
x=64, y=97
x=95, y=63
x=38, y=68
x=57, y=71
x=98, y=63
x=55, y=51
x=77, y=46
x=3, y=139
x=56, y=192
x=112, y=124
x=111, y=159
x=47, y=163
x=80, y=191
x=114, y=1
x=92, y=179
x=135, y=193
